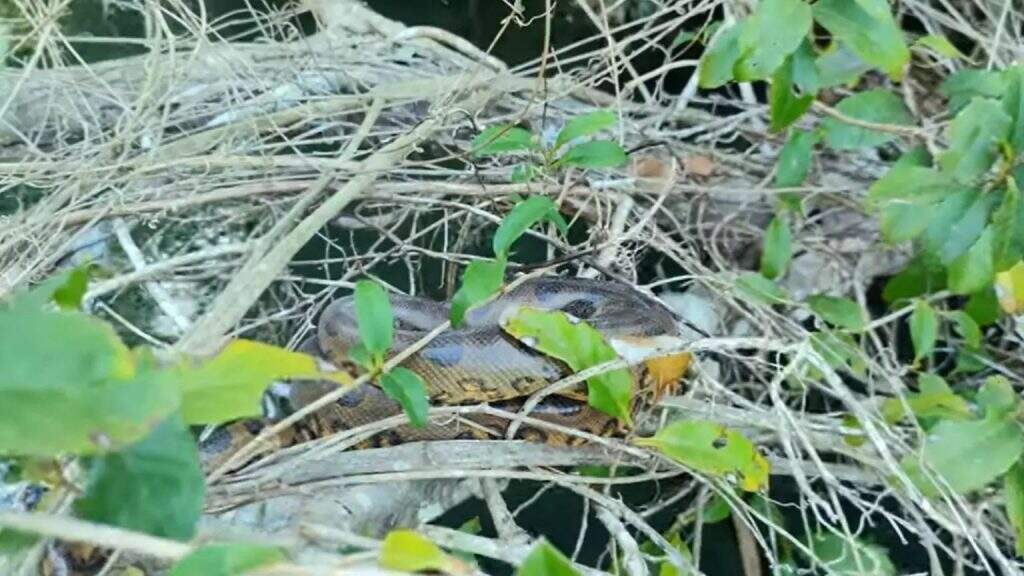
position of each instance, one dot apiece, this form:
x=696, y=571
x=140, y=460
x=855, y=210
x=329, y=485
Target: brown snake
x=479, y=363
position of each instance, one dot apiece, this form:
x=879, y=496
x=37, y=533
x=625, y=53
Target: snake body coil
x=479, y=362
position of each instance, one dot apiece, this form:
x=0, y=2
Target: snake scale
x=479, y=362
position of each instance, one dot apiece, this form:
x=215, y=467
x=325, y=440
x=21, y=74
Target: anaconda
x=479, y=363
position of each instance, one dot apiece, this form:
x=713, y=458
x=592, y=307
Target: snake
x=479, y=362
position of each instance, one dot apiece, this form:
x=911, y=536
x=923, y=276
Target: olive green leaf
x=585, y=125
x=545, y=560
x=967, y=327
x=784, y=106
x=838, y=66
x=956, y=224
x=935, y=400
x=1008, y=223
x=773, y=31
x=1013, y=105
x=795, y=159
x=70, y=386
x=231, y=384
x=226, y=560
x=594, y=154
x=878, y=106
x=580, y=346
x=964, y=85
x=407, y=551
x=716, y=65
x=481, y=280
x=522, y=216
x=406, y=388
x=868, y=28
x=974, y=138
x=965, y=455
x=841, y=312
x=712, y=449
x=940, y=45
x=375, y=318
x=502, y=139
x=1009, y=286
x=776, y=250
x=153, y=486
x=1013, y=492
x=975, y=268
x=851, y=557
x=761, y=289
x=924, y=329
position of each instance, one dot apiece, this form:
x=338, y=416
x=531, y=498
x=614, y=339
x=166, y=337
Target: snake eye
x=580, y=308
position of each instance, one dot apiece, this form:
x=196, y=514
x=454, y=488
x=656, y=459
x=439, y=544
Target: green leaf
x=594, y=154
x=1008, y=224
x=940, y=45
x=406, y=388
x=956, y=224
x=997, y=397
x=716, y=510
x=545, y=560
x=974, y=269
x=407, y=551
x=924, y=329
x=966, y=455
x=841, y=312
x=70, y=386
x=805, y=71
x=974, y=137
x=1009, y=290
x=838, y=350
x=1013, y=492
x=481, y=280
x=851, y=557
x=717, y=62
x=784, y=106
x=776, y=250
x=523, y=173
x=839, y=66
x=712, y=449
x=153, y=486
x=374, y=316
x=921, y=276
x=522, y=216
x=967, y=328
x=877, y=106
x=226, y=560
x=230, y=385
x=1013, y=105
x=65, y=289
x=502, y=139
x=683, y=37
x=963, y=86
x=868, y=29
x=795, y=159
x=585, y=125
x=935, y=400
x=761, y=289
x=68, y=294
x=907, y=196
x=580, y=346
x=773, y=31
x=983, y=306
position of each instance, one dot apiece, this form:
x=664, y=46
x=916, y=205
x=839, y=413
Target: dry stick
x=246, y=287
x=632, y=560
x=73, y=530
